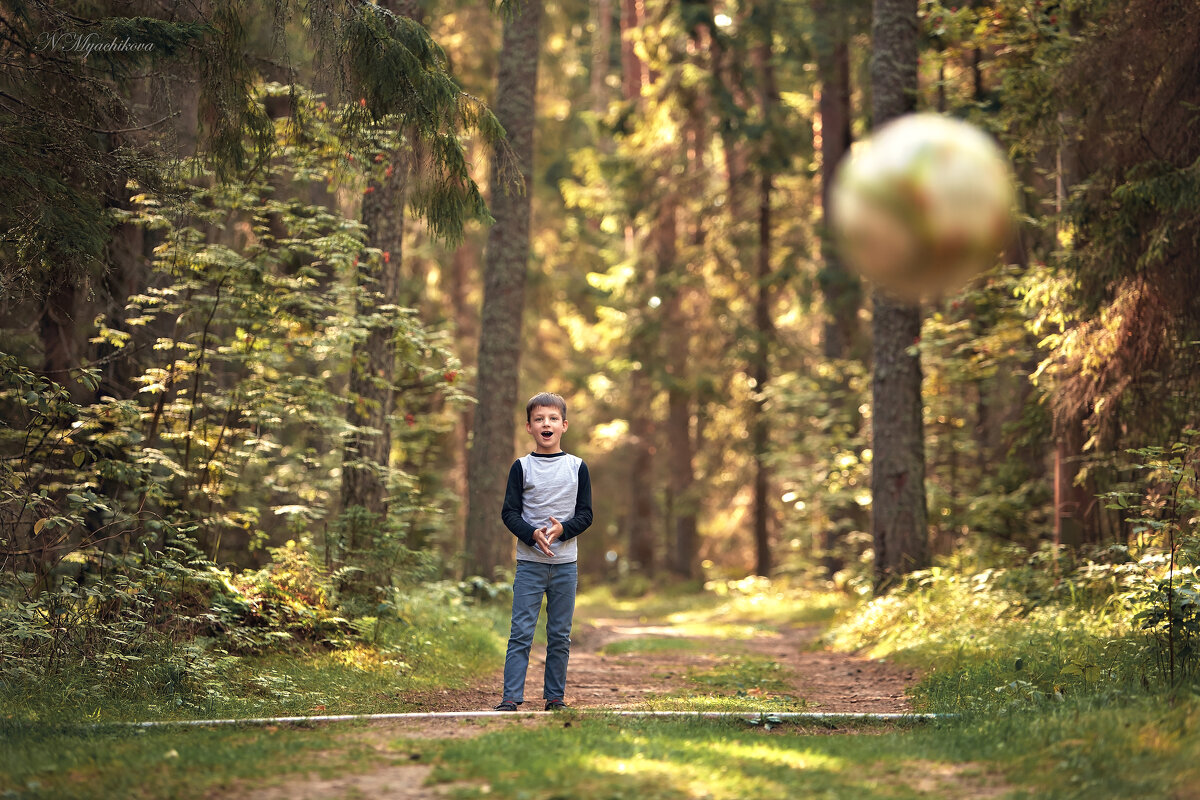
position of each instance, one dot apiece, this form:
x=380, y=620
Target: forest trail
x=601, y=677
x=826, y=681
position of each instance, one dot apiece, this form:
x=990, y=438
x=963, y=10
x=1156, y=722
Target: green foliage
x=109, y=509
x=407, y=86
x=1166, y=523
x=1040, y=630
x=66, y=142
x=288, y=602
x=261, y=643
x=983, y=425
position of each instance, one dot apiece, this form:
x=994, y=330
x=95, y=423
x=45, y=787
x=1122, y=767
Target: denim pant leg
x=529, y=585
x=560, y=608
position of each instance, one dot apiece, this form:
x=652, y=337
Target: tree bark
x=372, y=376
x=641, y=528
x=465, y=275
x=899, y=514
x=633, y=69
x=489, y=545
x=842, y=335
x=368, y=450
x=681, y=506
x=841, y=289
x=598, y=85
x=763, y=324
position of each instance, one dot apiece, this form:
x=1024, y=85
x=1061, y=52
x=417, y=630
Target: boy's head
x=545, y=400
x=546, y=420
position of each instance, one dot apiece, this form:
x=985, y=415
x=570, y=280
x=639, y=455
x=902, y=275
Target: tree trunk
x=598, y=86
x=899, y=515
x=763, y=325
x=633, y=69
x=841, y=289
x=681, y=506
x=372, y=376
x=760, y=428
x=1075, y=507
x=489, y=545
x=842, y=335
x=464, y=282
x=642, y=528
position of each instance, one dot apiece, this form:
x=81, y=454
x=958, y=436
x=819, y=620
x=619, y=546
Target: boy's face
x=546, y=425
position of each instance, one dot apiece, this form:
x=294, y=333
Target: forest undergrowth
x=1054, y=667
x=1063, y=672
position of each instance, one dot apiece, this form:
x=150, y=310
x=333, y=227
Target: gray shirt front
x=541, y=486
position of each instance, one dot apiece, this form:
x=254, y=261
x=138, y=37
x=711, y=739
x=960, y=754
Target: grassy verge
x=71, y=762
x=54, y=743
x=431, y=646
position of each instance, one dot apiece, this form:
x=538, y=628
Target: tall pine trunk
x=899, y=515
x=488, y=543
x=763, y=324
x=641, y=527
x=842, y=292
x=372, y=376
x=371, y=393
x=842, y=336
x=681, y=505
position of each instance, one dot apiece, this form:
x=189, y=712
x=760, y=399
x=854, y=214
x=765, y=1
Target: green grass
x=1054, y=702
x=1139, y=752
x=741, y=674
x=74, y=762
x=652, y=644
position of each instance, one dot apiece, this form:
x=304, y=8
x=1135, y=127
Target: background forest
x=278, y=278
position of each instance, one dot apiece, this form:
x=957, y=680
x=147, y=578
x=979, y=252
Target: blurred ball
x=922, y=205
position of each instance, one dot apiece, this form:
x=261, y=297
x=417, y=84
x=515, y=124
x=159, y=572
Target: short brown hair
x=547, y=400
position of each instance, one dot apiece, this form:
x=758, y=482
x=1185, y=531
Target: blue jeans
x=557, y=582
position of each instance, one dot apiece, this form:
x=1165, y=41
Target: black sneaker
x=506, y=705
x=555, y=705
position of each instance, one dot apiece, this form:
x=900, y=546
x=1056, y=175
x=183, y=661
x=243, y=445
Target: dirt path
x=826, y=681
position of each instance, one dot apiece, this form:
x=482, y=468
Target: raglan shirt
x=544, y=485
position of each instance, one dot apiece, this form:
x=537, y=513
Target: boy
x=547, y=504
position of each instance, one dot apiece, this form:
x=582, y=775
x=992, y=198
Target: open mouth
x=547, y=435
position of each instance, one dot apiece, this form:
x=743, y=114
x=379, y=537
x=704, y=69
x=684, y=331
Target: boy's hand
x=542, y=542
x=554, y=530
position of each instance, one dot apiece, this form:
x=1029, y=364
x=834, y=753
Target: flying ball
x=922, y=205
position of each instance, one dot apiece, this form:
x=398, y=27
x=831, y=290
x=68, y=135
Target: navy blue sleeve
x=583, y=507
x=514, y=504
